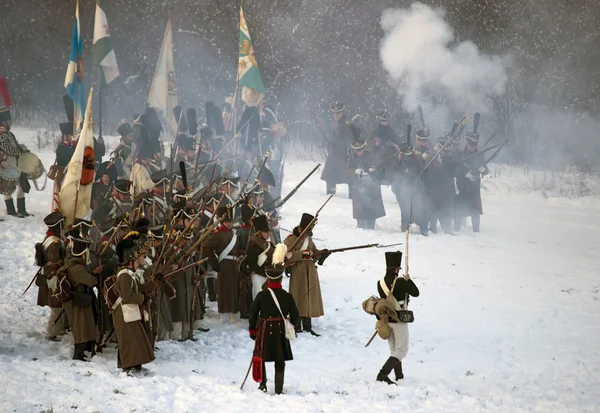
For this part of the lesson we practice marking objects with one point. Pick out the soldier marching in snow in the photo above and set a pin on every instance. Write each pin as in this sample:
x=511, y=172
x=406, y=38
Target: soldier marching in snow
x=398, y=288
x=260, y=253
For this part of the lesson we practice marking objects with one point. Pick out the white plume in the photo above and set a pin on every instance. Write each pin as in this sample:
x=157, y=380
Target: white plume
x=279, y=253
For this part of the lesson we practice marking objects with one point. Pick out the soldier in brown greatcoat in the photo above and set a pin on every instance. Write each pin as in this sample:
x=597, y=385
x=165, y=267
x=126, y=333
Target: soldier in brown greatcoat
x=53, y=255
x=80, y=308
x=222, y=250
x=304, y=279
x=130, y=316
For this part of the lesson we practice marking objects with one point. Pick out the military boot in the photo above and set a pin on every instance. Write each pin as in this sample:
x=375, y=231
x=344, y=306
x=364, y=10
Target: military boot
x=279, y=376
x=211, y=286
x=21, y=207
x=387, y=369
x=307, y=326
x=79, y=352
x=10, y=208
x=398, y=371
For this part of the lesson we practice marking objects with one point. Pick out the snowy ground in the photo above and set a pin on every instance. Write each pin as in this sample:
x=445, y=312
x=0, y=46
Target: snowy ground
x=507, y=321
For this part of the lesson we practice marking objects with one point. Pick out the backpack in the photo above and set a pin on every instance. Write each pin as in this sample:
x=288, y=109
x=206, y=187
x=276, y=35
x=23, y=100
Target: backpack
x=40, y=260
x=110, y=293
x=60, y=287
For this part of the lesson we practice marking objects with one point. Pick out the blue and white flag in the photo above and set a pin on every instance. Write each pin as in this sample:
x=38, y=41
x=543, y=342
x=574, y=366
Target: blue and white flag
x=74, y=79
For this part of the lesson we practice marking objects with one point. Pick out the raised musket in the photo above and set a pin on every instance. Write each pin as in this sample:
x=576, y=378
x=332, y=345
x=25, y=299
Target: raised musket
x=293, y=191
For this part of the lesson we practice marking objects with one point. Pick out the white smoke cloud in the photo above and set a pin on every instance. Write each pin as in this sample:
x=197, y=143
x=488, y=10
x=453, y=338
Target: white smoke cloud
x=420, y=55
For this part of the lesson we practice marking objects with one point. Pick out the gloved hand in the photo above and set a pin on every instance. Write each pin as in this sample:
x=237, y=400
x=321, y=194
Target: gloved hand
x=371, y=170
x=359, y=171
x=470, y=176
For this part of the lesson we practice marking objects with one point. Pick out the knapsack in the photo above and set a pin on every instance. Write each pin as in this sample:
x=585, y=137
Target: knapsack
x=60, y=287
x=40, y=260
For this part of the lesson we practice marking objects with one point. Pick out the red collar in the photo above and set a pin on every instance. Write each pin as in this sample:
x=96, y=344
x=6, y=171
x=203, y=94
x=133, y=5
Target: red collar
x=223, y=228
x=273, y=284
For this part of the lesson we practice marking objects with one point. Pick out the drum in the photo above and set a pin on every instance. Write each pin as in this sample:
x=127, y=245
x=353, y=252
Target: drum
x=9, y=179
x=30, y=165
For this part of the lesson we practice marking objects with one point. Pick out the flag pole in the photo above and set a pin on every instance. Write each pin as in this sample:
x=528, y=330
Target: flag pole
x=99, y=104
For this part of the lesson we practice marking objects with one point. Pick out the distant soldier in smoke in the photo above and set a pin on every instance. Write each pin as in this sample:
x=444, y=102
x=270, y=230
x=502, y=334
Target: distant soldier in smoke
x=367, y=202
x=431, y=176
x=468, y=182
x=344, y=132
x=122, y=156
x=384, y=132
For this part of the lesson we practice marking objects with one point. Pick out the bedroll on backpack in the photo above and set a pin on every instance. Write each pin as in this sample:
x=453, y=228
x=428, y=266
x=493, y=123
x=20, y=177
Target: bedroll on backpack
x=110, y=293
x=60, y=287
x=40, y=260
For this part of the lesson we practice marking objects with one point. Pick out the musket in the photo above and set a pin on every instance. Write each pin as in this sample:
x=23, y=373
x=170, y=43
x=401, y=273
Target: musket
x=450, y=136
x=293, y=191
x=194, y=298
x=496, y=152
x=184, y=268
x=256, y=181
x=483, y=151
x=406, y=241
x=490, y=138
x=358, y=247
x=208, y=231
x=310, y=225
x=238, y=134
x=32, y=280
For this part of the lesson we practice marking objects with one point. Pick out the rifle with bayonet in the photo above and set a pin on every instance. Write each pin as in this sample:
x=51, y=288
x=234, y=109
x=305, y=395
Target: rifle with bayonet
x=323, y=256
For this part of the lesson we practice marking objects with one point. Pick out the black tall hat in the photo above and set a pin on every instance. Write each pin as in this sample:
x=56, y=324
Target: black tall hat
x=225, y=211
x=306, y=220
x=53, y=219
x=159, y=177
x=66, y=128
x=266, y=177
x=80, y=228
x=261, y=223
x=383, y=115
x=141, y=225
x=473, y=137
x=186, y=142
x=393, y=259
x=247, y=213
x=69, y=106
x=123, y=186
x=337, y=107
x=126, y=251
x=109, y=169
x=156, y=231
x=406, y=149
x=423, y=134
x=152, y=123
x=192, y=121
x=124, y=129
x=79, y=246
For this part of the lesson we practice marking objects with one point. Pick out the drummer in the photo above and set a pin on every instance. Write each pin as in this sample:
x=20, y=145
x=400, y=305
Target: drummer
x=10, y=150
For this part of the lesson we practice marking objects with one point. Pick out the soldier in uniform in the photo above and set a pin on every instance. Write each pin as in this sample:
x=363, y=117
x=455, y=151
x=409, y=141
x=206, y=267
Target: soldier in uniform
x=367, y=203
x=260, y=253
x=222, y=251
x=400, y=288
x=10, y=150
x=122, y=156
x=80, y=308
x=53, y=248
x=304, y=278
x=468, y=181
x=130, y=316
x=384, y=132
x=409, y=189
x=268, y=330
x=431, y=178
x=245, y=295
x=106, y=175
x=344, y=132
x=118, y=205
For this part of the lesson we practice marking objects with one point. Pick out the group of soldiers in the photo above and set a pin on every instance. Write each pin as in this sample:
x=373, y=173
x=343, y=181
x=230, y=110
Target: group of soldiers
x=168, y=234
x=433, y=180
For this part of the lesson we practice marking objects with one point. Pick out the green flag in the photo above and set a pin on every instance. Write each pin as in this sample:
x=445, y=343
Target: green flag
x=248, y=73
x=103, y=54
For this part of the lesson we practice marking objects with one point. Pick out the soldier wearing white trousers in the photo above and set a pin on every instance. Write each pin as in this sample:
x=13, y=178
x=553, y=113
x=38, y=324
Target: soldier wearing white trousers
x=260, y=253
x=398, y=289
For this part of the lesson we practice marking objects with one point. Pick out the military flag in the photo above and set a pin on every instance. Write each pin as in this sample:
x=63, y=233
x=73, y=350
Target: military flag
x=249, y=78
x=103, y=55
x=74, y=78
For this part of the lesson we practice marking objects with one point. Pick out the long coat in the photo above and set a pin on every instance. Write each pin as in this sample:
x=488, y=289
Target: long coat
x=181, y=305
x=367, y=202
x=342, y=135
x=227, y=281
x=135, y=346
x=52, y=256
x=81, y=319
x=304, y=279
x=270, y=333
x=468, y=200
